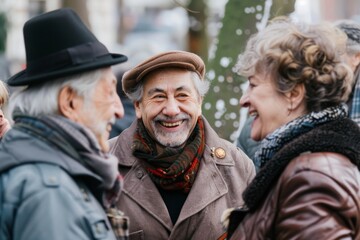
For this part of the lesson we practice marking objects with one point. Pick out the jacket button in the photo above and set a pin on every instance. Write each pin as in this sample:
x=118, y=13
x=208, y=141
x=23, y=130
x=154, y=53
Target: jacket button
x=139, y=174
x=52, y=180
x=220, y=153
x=85, y=194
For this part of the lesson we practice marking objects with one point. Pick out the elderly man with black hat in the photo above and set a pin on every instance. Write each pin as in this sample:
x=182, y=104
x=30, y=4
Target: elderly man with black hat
x=179, y=175
x=56, y=175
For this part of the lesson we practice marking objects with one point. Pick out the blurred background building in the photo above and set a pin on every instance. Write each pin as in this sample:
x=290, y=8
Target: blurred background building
x=215, y=29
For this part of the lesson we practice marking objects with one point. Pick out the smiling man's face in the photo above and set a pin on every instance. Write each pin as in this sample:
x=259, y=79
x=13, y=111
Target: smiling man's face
x=170, y=106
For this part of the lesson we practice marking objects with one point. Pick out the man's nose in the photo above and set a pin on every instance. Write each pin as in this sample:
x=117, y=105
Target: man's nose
x=119, y=109
x=171, y=108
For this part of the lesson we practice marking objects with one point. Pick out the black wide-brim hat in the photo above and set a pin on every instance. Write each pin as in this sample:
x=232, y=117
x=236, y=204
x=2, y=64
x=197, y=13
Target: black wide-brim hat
x=59, y=44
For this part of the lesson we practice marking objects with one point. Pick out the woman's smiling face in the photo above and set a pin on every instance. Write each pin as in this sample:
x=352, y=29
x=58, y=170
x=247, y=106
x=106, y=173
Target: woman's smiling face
x=266, y=104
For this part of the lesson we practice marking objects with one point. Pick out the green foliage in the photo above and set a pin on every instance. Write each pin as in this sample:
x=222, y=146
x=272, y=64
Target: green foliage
x=221, y=106
x=282, y=7
x=3, y=31
x=198, y=41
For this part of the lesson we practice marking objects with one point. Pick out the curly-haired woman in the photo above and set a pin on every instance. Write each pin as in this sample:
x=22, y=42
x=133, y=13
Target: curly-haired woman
x=308, y=186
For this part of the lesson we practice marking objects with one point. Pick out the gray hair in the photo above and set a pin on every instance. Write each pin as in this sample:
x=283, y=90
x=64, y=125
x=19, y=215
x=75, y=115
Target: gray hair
x=292, y=54
x=42, y=99
x=352, y=30
x=202, y=87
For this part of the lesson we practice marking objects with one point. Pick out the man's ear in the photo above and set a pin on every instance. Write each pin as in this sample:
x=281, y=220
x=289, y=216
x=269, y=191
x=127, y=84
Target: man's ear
x=200, y=107
x=68, y=103
x=137, y=109
x=356, y=60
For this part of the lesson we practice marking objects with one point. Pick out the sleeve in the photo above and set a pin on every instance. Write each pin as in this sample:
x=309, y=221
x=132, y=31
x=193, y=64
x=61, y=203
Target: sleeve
x=313, y=205
x=246, y=143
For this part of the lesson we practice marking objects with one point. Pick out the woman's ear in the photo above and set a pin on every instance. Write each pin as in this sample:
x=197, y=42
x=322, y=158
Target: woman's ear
x=296, y=98
x=67, y=103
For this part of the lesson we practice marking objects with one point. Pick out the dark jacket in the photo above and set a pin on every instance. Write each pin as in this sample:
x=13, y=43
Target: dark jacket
x=310, y=189
x=218, y=185
x=44, y=194
x=246, y=143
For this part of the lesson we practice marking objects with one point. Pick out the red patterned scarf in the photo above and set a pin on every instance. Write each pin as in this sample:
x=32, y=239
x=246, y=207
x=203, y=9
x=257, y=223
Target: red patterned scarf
x=172, y=168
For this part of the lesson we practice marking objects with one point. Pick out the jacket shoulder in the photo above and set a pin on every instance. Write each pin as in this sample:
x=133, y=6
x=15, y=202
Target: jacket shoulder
x=324, y=170
x=228, y=156
x=318, y=187
x=41, y=194
x=235, y=153
x=325, y=162
x=27, y=179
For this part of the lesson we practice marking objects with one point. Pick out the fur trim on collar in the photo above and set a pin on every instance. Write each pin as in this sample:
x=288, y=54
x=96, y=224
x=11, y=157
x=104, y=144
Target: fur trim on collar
x=339, y=136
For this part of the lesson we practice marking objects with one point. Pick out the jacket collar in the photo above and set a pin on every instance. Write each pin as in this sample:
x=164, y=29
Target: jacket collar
x=33, y=150
x=140, y=188
x=209, y=176
x=339, y=136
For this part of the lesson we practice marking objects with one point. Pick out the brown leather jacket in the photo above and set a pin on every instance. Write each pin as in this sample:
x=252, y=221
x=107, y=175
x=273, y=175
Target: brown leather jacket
x=310, y=189
x=316, y=197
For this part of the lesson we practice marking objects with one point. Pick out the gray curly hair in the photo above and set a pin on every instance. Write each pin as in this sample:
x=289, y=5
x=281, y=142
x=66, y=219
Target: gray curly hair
x=301, y=54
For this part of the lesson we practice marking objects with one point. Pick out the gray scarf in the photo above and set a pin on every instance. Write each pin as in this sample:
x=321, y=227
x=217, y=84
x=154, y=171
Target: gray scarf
x=80, y=144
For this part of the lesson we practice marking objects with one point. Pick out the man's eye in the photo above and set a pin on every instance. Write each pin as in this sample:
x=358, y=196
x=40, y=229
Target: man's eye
x=182, y=95
x=159, y=96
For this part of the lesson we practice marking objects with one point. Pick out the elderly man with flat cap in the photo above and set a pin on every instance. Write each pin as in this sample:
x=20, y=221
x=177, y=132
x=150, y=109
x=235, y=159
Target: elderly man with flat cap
x=56, y=175
x=179, y=175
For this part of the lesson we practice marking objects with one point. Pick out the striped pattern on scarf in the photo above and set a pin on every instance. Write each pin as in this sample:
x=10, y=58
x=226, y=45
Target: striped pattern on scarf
x=281, y=136
x=173, y=168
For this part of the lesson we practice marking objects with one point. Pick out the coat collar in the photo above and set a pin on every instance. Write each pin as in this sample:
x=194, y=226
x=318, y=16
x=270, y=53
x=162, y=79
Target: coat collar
x=209, y=176
x=140, y=188
x=34, y=150
x=339, y=136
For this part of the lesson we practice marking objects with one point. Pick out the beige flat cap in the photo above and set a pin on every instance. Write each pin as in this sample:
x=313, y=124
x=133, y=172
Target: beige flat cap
x=177, y=59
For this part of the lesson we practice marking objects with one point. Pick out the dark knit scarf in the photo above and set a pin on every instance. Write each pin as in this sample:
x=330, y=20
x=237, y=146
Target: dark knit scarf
x=172, y=168
x=277, y=139
x=337, y=134
x=78, y=143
